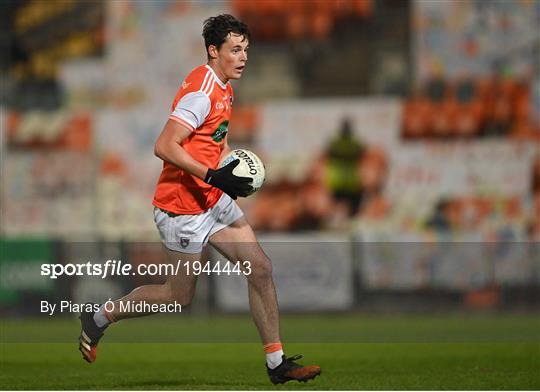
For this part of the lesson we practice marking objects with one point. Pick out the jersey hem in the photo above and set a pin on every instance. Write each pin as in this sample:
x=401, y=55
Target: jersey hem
x=184, y=212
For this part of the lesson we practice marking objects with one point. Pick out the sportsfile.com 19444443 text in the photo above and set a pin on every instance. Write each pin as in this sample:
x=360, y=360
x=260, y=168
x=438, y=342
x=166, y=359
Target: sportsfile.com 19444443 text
x=119, y=268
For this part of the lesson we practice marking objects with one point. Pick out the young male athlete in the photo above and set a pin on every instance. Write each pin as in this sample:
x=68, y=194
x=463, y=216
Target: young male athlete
x=194, y=201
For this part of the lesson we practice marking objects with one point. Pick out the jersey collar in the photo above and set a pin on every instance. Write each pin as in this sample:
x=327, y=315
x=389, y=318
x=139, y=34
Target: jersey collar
x=218, y=80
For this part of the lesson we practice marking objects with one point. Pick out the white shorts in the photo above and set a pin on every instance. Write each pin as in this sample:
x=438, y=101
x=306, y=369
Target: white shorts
x=190, y=233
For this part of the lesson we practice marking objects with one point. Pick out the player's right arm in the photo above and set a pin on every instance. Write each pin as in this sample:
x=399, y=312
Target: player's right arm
x=168, y=147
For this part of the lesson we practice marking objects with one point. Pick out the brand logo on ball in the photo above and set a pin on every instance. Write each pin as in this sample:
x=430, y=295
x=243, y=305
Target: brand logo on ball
x=184, y=242
x=252, y=166
x=221, y=131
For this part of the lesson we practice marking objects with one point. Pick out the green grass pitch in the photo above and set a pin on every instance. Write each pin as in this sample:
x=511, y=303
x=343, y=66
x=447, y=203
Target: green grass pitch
x=355, y=352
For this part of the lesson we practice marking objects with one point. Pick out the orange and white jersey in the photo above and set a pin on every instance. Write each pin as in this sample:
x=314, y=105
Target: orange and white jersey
x=203, y=105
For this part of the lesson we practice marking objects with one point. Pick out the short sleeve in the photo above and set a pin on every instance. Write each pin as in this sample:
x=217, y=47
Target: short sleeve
x=191, y=110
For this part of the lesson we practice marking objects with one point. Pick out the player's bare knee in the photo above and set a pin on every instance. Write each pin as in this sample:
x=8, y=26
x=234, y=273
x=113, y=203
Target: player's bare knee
x=261, y=271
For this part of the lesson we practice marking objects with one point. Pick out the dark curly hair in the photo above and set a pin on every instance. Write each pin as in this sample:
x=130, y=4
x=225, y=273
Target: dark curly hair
x=217, y=28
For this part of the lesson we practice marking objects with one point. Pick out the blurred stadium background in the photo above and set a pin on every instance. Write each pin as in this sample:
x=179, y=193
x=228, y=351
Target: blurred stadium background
x=402, y=203
x=390, y=123
x=401, y=140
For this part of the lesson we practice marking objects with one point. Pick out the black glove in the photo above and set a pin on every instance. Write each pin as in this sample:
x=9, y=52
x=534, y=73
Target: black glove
x=225, y=180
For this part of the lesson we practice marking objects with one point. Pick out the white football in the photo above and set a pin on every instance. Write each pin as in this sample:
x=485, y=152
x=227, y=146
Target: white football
x=250, y=166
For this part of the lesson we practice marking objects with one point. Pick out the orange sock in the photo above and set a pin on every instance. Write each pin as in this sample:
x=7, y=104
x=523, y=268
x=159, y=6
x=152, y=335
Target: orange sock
x=272, y=347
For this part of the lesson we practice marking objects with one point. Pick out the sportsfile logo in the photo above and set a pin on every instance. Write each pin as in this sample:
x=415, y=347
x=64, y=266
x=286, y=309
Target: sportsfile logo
x=109, y=268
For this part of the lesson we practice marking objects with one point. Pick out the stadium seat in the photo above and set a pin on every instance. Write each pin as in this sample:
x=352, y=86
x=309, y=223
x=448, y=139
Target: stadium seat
x=416, y=118
x=362, y=8
x=522, y=102
x=296, y=26
x=320, y=26
x=77, y=133
x=443, y=118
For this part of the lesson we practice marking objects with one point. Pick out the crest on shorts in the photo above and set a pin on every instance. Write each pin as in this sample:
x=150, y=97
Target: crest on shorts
x=184, y=242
